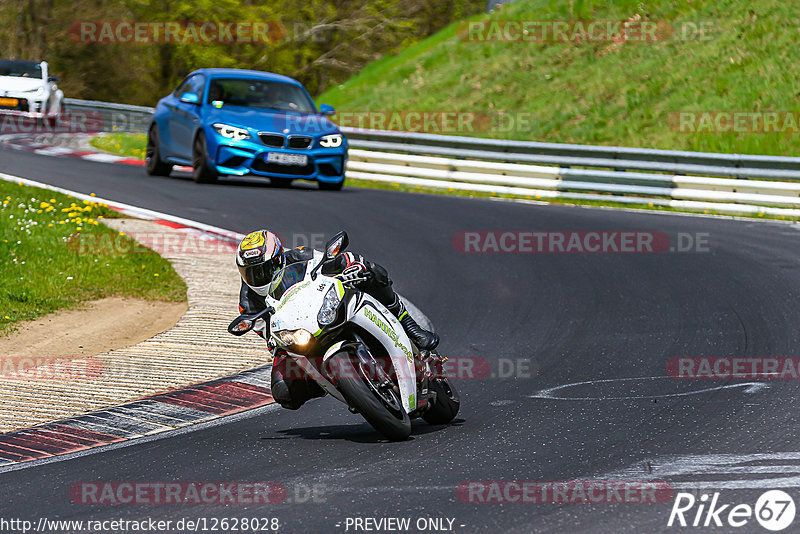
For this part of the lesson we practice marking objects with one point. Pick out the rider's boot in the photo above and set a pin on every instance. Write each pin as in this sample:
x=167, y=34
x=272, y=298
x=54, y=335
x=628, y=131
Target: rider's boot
x=422, y=338
x=380, y=287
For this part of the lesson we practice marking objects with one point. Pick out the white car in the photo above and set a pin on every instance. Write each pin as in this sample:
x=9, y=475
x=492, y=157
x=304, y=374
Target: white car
x=28, y=89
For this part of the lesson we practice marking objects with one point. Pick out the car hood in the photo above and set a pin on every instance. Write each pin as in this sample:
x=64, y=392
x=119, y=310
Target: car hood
x=18, y=84
x=266, y=121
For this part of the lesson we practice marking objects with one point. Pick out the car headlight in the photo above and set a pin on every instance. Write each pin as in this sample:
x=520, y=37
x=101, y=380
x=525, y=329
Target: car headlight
x=299, y=338
x=232, y=132
x=327, y=313
x=331, y=141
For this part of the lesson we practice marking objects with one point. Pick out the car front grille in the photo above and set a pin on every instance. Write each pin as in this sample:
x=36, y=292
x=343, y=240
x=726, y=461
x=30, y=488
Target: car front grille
x=274, y=168
x=299, y=141
x=272, y=140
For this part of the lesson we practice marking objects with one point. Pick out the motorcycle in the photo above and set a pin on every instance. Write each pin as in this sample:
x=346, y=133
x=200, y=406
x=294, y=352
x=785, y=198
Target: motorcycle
x=352, y=346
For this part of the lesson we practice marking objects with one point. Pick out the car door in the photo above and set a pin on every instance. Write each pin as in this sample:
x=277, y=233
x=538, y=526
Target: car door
x=186, y=118
x=165, y=120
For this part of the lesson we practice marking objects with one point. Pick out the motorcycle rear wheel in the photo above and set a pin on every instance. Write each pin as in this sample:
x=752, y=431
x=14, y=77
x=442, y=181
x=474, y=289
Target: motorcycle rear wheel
x=447, y=402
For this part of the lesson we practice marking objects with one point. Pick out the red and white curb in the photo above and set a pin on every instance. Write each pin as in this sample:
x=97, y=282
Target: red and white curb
x=32, y=143
x=145, y=417
x=133, y=211
x=155, y=414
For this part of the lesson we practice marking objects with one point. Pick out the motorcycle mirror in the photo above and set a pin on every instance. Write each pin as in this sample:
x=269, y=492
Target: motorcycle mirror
x=336, y=245
x=241, y=326
x=244, y=323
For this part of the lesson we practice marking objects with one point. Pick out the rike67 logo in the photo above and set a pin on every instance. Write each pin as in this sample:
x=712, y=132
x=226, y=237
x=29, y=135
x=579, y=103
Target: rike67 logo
x=774, y=510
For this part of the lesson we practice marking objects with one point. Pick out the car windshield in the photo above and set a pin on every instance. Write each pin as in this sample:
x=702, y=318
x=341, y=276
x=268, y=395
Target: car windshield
x=286, y=278
x=20, y=69
x=262, y=94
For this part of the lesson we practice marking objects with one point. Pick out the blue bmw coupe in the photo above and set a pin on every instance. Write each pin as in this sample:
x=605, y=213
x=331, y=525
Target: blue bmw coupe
x=244, y=122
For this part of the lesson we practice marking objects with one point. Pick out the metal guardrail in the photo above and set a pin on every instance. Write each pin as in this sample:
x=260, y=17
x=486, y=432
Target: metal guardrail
x=108, y=117
x=569, y=155
x=727, y=183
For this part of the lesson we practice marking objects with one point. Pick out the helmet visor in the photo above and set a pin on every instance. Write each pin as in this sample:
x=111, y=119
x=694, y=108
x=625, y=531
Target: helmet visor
x=260, y=274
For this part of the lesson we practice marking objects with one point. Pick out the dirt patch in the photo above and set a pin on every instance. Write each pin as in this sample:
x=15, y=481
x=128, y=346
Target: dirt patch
x=104, y=325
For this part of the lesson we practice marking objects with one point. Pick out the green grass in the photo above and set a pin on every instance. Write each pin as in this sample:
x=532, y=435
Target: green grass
x=131, y=145
x=602, y=93
x=45, y=269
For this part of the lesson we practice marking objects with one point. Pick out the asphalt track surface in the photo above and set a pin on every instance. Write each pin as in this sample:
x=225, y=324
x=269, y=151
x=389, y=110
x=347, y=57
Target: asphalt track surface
x=573, y=317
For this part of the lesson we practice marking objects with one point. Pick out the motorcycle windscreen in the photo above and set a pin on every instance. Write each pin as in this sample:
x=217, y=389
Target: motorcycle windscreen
x=286, y=278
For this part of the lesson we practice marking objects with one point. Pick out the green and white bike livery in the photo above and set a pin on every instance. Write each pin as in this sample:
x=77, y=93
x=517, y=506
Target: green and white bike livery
x=352, y=346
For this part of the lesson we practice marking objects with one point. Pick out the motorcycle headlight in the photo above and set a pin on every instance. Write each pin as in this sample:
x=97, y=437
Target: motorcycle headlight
x=327, y=313
x=232, y=132
x=299, y=338
x=331, y=141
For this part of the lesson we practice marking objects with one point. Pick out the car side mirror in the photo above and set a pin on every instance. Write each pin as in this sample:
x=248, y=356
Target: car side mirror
x=190, y=98
x=327, y=109
x=52, y=78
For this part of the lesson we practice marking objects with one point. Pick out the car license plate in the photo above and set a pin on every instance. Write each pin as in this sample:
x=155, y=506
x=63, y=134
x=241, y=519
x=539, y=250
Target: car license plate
x=9, y=102
x=287, y=159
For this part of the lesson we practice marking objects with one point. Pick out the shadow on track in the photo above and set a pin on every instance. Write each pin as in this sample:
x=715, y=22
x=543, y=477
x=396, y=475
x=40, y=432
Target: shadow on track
x=356, y=433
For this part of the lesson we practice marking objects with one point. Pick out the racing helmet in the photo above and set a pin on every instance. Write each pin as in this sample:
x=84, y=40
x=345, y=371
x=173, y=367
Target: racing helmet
x=258, y=257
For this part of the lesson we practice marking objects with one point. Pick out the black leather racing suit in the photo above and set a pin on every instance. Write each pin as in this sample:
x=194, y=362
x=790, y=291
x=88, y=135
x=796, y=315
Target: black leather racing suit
x=379, y=286
x=290, y=389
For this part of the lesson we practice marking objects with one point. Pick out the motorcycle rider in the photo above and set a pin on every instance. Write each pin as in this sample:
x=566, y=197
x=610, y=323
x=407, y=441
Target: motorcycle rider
x=260, y=255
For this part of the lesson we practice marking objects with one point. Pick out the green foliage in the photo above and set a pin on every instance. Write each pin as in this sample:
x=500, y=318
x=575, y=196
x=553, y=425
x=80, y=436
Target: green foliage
x=603, y=92
x=318, y=42
x=124, y=144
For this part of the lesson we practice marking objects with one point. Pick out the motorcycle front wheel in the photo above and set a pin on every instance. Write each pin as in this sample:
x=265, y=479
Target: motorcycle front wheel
x=378, y=404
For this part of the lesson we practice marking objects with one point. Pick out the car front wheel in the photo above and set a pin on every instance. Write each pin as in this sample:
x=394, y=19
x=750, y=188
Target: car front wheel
x=202, y=172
